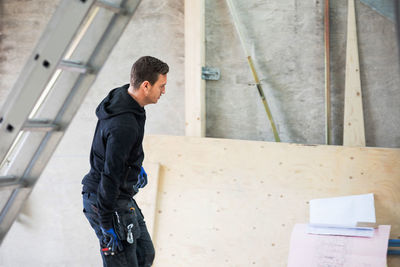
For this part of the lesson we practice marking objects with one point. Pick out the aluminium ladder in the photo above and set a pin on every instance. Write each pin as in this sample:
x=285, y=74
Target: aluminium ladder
x=49, y=91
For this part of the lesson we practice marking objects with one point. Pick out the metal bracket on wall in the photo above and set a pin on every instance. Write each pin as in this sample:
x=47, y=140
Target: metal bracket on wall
x=212, y=74
x=49, y=91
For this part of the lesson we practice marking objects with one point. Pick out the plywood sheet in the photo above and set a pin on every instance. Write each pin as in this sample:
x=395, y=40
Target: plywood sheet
x=147, y=196
x=234, y=203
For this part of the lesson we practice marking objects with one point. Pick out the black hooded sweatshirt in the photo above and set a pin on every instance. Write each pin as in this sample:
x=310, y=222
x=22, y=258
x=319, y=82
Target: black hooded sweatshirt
x=117, y=154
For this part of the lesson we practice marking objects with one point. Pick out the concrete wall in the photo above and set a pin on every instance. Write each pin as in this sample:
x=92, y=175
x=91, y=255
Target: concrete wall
x=286, y=41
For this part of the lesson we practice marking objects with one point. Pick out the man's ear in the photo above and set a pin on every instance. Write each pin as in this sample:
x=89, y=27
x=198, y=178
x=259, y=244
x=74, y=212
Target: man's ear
x=146, y=87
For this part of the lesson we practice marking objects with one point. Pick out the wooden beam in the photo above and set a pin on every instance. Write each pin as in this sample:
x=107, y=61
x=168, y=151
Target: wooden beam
x=194, y=61
x=353, y=128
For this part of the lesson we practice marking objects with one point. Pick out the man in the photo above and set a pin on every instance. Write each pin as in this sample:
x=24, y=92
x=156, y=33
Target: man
x=116, y=172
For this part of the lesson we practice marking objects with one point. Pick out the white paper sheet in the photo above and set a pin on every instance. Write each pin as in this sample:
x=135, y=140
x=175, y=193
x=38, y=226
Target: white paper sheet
x=340, y=215
x=345, y=211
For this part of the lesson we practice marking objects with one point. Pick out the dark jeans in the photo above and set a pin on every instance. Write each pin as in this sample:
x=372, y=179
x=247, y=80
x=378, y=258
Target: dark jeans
x=139, y=254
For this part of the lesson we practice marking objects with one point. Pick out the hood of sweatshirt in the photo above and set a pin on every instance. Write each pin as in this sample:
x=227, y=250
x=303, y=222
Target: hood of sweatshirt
x=117, y=102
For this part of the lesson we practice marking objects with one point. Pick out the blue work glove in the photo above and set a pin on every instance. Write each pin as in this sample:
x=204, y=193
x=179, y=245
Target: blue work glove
x=142, y=179
x=111, y=240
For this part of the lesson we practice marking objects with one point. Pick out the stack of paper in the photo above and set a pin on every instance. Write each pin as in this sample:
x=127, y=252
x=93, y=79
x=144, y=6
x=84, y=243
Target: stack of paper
x=333, y=237
x=341, y=215
x=328, y=250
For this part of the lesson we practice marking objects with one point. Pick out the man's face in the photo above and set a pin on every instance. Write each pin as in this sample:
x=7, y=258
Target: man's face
x=157, y=89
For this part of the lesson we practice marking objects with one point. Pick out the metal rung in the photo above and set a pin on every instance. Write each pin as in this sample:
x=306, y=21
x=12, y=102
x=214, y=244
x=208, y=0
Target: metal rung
x=394, y=242
x=6, y=181
x=74, y=66
x=393, y=252
x=40, y=126
x=110, y=6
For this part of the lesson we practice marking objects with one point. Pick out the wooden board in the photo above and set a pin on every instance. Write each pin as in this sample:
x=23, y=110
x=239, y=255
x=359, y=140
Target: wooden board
x=195, y=103
x=234, y=203
x=353, y=128
x=148, y=196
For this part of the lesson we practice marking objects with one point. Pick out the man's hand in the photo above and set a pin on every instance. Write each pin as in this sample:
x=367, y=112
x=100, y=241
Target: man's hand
x=111, y=240
x=142, y=179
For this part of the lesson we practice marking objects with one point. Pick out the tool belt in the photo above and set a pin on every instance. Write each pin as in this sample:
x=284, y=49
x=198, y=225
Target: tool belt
x=125, y=222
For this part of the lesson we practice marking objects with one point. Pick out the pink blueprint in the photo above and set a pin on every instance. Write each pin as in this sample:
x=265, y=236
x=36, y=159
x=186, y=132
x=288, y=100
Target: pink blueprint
x=308, y=250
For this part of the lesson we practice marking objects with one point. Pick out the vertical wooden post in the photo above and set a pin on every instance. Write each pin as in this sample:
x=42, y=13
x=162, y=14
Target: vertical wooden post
x=194, y=61
x=353, y=128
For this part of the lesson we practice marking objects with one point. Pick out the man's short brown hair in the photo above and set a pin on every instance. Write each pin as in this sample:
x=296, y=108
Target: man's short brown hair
x=147, y=68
